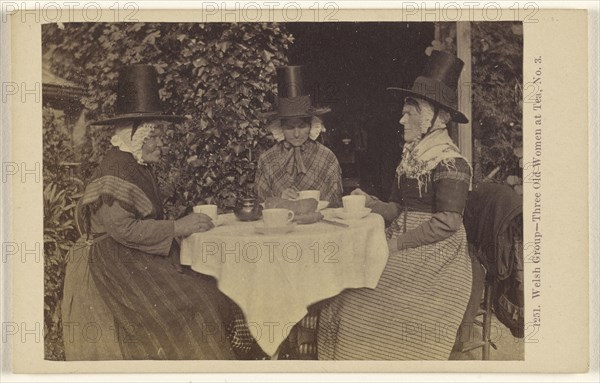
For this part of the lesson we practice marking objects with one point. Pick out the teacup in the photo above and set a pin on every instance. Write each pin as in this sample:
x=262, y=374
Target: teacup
x=316, y=194
x=353, y=203
x=209, y=210
x=277, y=217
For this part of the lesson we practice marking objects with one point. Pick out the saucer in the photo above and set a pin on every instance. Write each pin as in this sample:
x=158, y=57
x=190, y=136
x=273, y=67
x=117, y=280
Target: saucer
x=320, y=206
x=262, y=229
x=340, y=213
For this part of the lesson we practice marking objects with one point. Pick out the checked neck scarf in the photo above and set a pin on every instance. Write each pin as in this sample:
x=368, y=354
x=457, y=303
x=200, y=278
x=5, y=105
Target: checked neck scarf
x=294, y=163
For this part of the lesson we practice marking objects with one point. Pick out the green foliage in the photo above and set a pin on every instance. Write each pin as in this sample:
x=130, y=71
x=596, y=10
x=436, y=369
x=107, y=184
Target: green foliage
x=220, y=75
x=497, y=94
x=61, y=191
x=497, y=99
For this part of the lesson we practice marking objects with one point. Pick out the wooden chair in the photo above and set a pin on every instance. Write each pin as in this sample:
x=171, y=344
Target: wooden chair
x=480, y=305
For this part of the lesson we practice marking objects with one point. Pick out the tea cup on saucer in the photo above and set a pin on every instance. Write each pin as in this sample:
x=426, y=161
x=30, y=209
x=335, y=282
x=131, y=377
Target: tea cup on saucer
x=277, y=217
x=353, y=203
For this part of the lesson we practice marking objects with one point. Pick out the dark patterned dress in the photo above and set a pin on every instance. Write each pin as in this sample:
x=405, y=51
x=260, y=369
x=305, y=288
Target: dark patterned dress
x=128, y=271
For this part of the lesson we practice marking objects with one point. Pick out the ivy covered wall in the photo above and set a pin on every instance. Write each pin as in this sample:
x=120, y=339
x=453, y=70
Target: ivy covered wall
x=498, y=101
x=220, y=75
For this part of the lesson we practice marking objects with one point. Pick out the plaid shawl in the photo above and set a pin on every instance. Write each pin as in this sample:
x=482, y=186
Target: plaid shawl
x=119, y=177
x=277, y=172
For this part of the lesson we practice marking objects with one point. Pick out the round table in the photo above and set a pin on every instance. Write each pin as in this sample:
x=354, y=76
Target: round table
x=275, y=277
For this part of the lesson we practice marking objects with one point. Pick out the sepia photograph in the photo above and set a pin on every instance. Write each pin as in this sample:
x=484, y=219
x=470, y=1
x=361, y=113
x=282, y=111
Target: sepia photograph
x=283, y=191
x=243, y=191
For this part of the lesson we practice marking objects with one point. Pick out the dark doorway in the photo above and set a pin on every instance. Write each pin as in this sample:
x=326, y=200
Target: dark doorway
x=350, y=66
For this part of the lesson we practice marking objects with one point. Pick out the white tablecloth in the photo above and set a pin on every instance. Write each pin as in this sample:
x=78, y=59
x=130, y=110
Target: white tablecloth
x=274, y=278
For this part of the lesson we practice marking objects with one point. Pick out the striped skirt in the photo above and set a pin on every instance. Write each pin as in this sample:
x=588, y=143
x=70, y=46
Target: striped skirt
x=414, y=312
x=160, y=313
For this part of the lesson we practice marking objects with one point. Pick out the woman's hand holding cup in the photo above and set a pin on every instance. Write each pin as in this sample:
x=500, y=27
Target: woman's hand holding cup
x=290, y=193
x=370, y=201
x=192, y=223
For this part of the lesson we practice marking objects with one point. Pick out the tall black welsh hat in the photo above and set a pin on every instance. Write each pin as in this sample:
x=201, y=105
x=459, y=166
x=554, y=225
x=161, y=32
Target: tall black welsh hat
x=438, y=84
x=137, y=97
x=293, y=98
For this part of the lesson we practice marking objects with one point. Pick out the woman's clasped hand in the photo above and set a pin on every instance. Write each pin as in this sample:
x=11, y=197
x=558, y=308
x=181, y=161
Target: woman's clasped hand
x=370, y=200
x=192, y=223
x=290, y=193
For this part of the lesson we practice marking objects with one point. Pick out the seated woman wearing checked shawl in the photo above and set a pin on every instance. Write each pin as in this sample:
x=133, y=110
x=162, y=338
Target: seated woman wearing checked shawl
x=298, y=162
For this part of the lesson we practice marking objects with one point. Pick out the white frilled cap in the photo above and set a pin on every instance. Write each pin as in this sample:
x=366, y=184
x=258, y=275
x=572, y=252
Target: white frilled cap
x=123, y=140
x=316, y=128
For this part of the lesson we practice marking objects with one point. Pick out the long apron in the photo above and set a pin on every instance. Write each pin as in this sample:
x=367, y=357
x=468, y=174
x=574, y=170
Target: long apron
x=89, y=331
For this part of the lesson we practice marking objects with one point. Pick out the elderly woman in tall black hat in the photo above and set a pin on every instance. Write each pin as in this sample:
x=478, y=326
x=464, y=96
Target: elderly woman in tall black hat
x=124, y=297
x=419, y=302
x=297, y=161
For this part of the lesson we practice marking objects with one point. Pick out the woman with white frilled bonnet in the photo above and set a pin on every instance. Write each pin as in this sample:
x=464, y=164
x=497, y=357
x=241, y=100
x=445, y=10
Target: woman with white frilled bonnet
x=121, y=276
x=297, y=161
x=419, y=302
